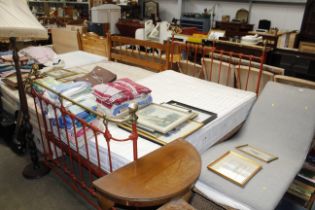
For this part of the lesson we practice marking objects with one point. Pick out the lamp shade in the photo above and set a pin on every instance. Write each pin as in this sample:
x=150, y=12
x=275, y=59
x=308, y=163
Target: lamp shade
x=16, y=20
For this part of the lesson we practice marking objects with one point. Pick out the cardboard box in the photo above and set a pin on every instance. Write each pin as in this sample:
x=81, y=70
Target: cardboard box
x=80, y=28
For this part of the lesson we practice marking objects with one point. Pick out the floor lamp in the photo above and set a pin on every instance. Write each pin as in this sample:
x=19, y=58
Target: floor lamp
x=17, y=23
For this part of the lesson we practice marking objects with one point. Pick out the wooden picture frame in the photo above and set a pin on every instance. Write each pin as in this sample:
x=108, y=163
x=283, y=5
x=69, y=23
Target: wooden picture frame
x=162, y=119
x=182, y=131
x=11, y=80
x=257, y=153
x=235, y=167
x=150, y=7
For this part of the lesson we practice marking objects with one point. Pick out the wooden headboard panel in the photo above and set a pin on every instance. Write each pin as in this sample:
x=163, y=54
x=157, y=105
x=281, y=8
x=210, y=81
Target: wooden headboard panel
x=91, y=42
x=146, y=54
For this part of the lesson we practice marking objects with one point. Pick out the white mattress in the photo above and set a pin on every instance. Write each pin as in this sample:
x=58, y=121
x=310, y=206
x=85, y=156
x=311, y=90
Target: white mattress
x=79, y=58
x=231, y=105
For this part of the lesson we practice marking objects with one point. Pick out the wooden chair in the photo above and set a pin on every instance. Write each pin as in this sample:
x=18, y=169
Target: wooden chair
x=95, y=44
x=294, y=81
x=247, y=78
x=218, y=71
x=64, y=40
x=190, y=68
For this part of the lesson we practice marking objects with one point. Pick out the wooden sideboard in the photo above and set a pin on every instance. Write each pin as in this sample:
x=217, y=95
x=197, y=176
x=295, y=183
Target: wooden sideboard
x=233, y=29
x=128, y=27
x=296, y=63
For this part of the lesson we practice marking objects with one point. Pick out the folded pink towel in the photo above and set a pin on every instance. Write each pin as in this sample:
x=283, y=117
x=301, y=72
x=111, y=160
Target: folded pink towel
x=118, y=92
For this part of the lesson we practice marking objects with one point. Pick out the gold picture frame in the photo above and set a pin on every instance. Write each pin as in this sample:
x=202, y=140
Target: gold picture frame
x=257, y=153
x=182, y=131
x=235, y=168
x=162, y=119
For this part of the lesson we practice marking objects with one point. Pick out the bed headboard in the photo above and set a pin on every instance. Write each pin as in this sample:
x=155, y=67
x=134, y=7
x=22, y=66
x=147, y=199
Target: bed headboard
x=93, y=43
x=143, y=53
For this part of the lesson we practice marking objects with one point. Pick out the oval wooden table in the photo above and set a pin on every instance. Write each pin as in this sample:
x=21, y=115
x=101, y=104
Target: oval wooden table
x=166, y=173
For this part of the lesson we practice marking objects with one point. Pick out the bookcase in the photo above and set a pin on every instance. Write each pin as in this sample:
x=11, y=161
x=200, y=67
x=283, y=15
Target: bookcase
x=302, y=189
x=66, y=8
x=202, y=24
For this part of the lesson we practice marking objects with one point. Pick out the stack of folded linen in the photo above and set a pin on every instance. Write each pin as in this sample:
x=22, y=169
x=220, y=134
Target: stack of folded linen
x=121, y=152
x=77, y=91
x=71, y=131
x=113, y=98
x=80, y=92
x=75, y=134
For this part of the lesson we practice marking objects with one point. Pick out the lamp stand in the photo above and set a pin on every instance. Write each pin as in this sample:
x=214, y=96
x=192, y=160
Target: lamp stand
x=36, y=169
x=7, y=124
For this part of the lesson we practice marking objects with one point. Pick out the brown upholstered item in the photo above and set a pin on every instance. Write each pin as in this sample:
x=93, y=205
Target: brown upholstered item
x=97, y=76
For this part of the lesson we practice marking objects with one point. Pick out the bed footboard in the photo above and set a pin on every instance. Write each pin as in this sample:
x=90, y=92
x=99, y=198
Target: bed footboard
x=78, y=148
x=234, y=69
x=146, y=54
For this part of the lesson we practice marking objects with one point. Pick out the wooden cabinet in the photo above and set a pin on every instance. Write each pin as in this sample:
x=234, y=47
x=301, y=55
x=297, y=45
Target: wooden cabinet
x=295, y=63
x=202, y=24
x=128, y=27
x=234, y=28
x=308, y=25
x=308, y=47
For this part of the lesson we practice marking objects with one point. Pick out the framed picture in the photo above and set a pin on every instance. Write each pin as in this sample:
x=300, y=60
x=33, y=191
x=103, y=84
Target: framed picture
x=181, y=131
x=11, y=80
x=162, y=119
x=202, y=116
x=235, y=167
x=60, y=73
x=151, y=8
x=257, y=153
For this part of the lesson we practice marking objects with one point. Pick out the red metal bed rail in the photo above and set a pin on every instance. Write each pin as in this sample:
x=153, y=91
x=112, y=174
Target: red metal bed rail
x=220, y=65
x=70, y=154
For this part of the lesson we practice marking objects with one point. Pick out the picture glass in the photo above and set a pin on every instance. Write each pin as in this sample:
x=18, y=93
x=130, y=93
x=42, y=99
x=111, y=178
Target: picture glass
x=161, y=118
x=235, y=167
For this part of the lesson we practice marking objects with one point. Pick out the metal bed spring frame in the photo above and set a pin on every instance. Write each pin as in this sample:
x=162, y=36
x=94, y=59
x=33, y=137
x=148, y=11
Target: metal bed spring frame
x=65, y=154
x=192, y=53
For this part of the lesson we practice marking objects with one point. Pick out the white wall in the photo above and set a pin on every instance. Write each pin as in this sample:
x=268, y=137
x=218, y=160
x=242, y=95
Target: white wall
x=284, y=17
x=168, y=9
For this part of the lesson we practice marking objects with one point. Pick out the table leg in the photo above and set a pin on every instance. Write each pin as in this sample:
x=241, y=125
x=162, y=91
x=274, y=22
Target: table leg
x=104, y=203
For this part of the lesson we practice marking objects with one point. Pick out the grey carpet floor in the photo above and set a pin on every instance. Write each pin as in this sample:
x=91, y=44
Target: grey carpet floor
x=47, y=193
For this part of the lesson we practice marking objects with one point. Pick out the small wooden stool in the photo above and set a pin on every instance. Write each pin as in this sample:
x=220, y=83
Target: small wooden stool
x=152, y=180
